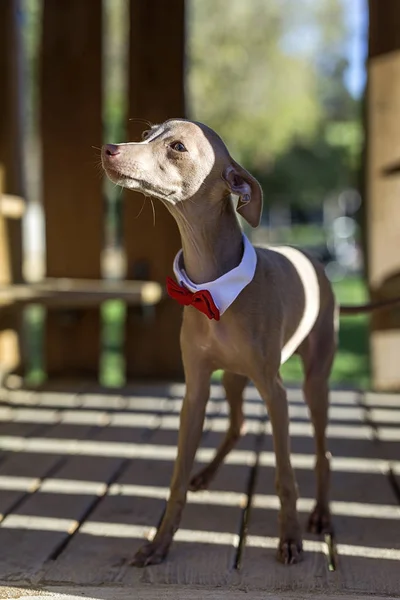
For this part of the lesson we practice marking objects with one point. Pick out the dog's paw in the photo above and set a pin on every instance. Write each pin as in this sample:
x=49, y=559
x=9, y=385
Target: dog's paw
x=320, y=521
x=149, y=554
x=290, y=551
x=200, y=481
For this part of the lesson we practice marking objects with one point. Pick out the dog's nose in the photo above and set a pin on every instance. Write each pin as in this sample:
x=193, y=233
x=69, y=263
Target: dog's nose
x=111, y=150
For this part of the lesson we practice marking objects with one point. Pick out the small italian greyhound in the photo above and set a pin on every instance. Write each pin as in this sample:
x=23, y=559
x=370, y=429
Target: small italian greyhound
x=247, y=310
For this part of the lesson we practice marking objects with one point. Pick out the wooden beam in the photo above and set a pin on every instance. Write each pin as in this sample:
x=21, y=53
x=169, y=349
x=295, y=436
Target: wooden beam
x=383, y=186
x=10, y=127
x=156, y=91
x=71, y=119
x=11, y=179
x=79, y=293
x=10, y=322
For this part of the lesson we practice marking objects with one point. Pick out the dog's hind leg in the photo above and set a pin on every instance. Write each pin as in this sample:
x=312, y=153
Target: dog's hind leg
x=274, y=395
x=234, y=386
x=317, y=354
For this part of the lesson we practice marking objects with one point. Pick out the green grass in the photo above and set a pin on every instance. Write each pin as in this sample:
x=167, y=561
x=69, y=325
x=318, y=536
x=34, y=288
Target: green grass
x=112, y=360
x=351, y=367
x=33, y=328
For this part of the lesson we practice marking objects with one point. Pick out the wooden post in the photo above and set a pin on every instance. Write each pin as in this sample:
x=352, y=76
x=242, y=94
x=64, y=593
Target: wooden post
x=10, y=320
x=11, y=181
x=156, y=93
x=383, y=186
x=71, y=122
x=10, y=126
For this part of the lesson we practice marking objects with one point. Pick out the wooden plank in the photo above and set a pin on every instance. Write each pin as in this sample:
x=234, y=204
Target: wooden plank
x=383, y=187
x=383, y=36
x=372, y=523
x=10, y=132
x=72, y=191
x=20, y=476
x=375, y=523
x=135, y=504
x=11, y=179
x=152, y=347
x=95, y=555
x=75, y=293
x=16, y=430
x=146, y=592
x=45, y=519
x=365, y=512
x=197, y=555
x=260, y=567
x=99, y=552
x=10, y=355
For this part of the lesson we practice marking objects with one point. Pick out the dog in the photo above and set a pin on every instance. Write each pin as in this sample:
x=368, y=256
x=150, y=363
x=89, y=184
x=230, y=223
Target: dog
x=246, y=311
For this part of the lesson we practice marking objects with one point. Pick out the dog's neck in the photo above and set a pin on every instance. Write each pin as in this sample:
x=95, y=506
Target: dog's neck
x=212, y=240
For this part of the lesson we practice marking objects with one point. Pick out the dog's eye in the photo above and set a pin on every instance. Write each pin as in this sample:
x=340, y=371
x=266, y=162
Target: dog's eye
x=178, y=146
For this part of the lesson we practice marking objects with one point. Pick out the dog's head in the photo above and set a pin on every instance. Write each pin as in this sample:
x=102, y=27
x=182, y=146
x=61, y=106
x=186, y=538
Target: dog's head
x=179, y=161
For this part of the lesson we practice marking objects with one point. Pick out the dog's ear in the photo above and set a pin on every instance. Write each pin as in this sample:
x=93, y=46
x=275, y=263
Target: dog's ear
x=244, y=185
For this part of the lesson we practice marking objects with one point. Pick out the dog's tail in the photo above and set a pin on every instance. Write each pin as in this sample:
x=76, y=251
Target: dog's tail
x=368, y=308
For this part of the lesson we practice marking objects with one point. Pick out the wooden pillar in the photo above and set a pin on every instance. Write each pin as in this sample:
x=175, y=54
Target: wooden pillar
x=71, y=123
x=156, y=88
x=383, y=186
x=10, y=126
x=11, y=181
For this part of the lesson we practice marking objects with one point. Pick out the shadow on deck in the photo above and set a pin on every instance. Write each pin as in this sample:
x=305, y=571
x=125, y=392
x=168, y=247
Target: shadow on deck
x=84, y=476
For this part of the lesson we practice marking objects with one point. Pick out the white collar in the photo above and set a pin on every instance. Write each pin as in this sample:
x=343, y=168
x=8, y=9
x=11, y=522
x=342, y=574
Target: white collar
x=226, y=288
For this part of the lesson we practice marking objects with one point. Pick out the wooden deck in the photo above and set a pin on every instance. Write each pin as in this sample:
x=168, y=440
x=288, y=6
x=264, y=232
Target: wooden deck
x=84, y=476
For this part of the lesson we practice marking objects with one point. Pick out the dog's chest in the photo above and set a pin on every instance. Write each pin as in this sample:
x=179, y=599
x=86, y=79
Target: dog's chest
x=225, y=345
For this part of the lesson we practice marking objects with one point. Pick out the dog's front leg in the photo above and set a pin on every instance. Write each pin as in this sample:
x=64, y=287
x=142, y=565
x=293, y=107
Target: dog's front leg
x=290, y=544
x=197, y=376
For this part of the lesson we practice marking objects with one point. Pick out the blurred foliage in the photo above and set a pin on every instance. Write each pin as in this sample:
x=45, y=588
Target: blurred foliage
x=269, y=77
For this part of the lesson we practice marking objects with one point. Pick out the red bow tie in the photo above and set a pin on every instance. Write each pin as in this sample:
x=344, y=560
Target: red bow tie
x=202, y=300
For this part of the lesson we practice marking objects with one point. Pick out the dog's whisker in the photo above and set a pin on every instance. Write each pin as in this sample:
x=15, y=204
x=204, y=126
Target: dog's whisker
x=154, y=211
x=142, y=207
x=140, y=120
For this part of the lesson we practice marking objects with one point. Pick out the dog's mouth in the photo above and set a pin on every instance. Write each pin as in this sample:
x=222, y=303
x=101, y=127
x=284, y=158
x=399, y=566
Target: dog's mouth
x=115, y=173
x=119, y=177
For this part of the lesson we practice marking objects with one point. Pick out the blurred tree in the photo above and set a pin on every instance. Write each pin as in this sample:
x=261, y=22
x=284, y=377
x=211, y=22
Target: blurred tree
x=269, y=77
